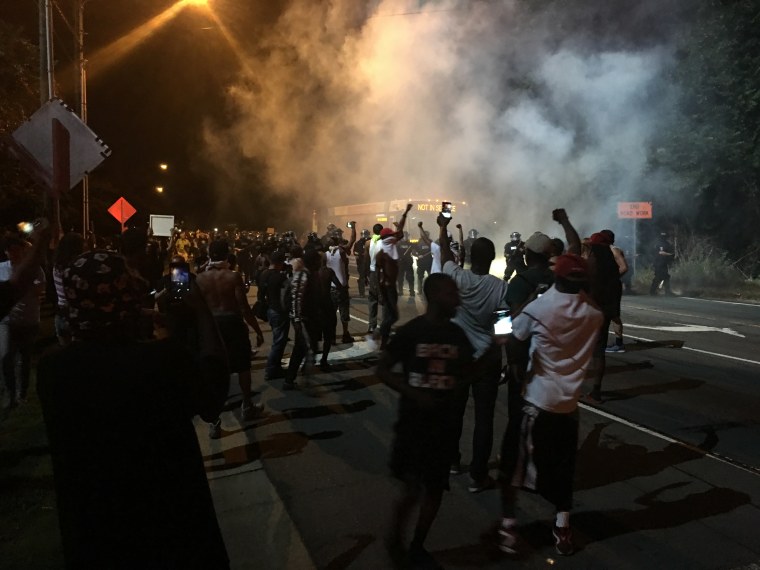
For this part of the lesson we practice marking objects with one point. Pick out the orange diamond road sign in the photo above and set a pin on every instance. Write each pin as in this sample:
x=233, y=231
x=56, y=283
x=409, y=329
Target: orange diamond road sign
x=122, y=210
x=635, y=210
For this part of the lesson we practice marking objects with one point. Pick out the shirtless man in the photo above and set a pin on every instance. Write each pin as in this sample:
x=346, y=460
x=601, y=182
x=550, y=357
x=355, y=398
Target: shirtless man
x=225, y=295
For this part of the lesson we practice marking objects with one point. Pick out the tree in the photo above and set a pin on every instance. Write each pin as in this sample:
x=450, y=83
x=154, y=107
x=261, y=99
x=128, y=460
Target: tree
x=19, y=97
x=712, y=144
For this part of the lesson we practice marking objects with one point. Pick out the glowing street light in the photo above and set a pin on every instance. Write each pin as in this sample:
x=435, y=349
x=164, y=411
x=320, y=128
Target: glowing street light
x=163, y=166
x=160, y=189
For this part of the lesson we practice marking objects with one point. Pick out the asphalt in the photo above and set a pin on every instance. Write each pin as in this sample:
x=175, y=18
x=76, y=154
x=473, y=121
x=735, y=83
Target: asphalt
x=668, y=467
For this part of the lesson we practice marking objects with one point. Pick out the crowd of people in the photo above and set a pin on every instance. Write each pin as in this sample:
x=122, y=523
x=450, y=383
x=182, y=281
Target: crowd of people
x=161, y=324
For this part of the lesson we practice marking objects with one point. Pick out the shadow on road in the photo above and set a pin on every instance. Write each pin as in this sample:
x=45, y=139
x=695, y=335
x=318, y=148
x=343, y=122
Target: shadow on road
x=650, y=389
x=600, y=463
x=276, y=445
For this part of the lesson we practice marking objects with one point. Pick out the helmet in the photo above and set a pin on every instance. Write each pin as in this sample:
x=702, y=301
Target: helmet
x=331, y=227
x=365, y=234
x=312, y=236
x=514, y=236
x=473, y=234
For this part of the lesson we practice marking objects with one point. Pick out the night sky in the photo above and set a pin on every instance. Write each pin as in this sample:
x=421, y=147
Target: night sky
x=150, y=105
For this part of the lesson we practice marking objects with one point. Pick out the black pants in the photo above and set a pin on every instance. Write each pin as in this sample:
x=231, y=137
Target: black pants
x=485, y=388
x=374, y=297
x=363, y=270
x=390, y=310
x=406, y=271
x=422, y=270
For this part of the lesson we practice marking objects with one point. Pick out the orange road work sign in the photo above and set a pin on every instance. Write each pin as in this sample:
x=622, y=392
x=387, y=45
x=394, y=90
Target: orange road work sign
x=122, y=210
x=635, y=210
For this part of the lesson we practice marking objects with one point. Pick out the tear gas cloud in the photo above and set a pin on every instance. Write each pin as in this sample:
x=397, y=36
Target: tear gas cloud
x=510, y=108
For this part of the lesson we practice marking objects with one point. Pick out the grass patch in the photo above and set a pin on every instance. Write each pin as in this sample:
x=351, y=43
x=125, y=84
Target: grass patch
x=703, y=270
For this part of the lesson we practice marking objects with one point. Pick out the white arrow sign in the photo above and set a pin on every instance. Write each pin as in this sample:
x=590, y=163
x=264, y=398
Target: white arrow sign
x=689, y=328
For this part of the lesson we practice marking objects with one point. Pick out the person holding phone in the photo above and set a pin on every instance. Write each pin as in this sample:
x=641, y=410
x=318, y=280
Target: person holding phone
x=481, y=294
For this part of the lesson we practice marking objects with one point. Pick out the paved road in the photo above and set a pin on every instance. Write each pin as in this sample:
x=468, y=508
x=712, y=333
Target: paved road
x=306, y=486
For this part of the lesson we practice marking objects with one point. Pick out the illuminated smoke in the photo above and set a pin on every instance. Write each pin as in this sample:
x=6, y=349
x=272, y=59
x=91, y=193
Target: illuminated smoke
x=516, y=112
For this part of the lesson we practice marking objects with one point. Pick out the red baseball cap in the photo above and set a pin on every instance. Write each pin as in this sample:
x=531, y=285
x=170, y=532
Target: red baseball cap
x=571, y=267
x=385, y=232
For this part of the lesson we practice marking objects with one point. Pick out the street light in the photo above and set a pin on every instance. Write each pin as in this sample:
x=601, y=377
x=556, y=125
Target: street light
x=163, y=166
x=160, y=189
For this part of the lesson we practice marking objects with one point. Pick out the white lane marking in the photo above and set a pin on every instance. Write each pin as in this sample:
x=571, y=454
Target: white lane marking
x=634, y=308
x=646, y=430
x=688, y=328
x=698, y=350
x=724, y=302
x=354, y=317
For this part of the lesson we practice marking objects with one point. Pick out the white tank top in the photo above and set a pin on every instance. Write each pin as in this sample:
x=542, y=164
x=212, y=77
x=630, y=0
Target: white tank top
x=335, y=262
x=374, y=247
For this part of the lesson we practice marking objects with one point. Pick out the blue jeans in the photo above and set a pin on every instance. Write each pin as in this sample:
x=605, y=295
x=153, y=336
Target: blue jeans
x=280, y=324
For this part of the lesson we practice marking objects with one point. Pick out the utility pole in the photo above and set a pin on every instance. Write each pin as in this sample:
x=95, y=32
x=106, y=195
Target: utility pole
x=81, y=92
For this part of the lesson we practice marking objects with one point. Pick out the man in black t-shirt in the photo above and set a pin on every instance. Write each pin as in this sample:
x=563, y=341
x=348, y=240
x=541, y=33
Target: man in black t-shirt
x=274, y=290
x=434, y=353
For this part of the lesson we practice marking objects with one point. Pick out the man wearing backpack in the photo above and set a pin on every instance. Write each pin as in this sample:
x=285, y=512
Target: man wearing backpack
x=274, y=294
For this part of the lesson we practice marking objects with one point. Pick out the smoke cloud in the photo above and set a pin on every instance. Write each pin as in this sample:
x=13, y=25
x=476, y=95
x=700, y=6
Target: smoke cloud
x=515, y=107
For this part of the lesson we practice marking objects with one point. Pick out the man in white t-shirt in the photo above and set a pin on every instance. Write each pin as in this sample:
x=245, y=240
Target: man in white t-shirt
x=540, y=444
x=481, y=294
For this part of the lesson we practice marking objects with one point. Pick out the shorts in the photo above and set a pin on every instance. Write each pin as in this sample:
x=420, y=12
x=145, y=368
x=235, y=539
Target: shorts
x=340, y=302
x=422, y=450
x=234, y=333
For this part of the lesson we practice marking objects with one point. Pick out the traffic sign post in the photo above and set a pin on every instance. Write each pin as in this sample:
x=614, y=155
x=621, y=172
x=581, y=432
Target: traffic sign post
x=634, y=211
x=122, y=211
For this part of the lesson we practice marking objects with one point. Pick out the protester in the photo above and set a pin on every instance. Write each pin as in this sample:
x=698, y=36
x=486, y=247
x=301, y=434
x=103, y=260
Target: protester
x=539, y=447
x=481, y=294
x=435, y=354
x=373, y=246
x=616, y=319
x=129, y=477
x=274, y=292
x=20, y=327
x=70, y=246
x=387, y=277
x=405, y=266
x=336, y=258
x=663, y=258
x=224, y=293
x=362, y=268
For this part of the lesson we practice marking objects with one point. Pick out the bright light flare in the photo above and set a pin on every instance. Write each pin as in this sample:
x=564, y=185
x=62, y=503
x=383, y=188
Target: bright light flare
x=163, y=166
x=160, y=189
x=118, y=49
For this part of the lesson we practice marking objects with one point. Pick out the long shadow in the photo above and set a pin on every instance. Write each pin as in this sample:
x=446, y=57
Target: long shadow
x=305, y=413
x=649, y=344
x=650, y=389
x=274, y=446
x=599, y=464
x=344, y=559
x=353, y=384
x=596, y=526
x=629, y=367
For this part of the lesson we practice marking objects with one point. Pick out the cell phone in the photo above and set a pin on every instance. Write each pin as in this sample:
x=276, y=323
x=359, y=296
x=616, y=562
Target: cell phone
x=180, y=281
x=446, y=209
x=28, y=227
x=349, y=224
x=502, y=323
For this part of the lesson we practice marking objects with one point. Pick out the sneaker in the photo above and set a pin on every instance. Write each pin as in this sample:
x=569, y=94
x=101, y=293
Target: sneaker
x=347, y=339
x=483, y=485
x=215, y=429
x=508, y=539
x=619, y=348
x=456, y=469
x=325, y=366
x=250, y=412
x=563, y=540
x=421, y=558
